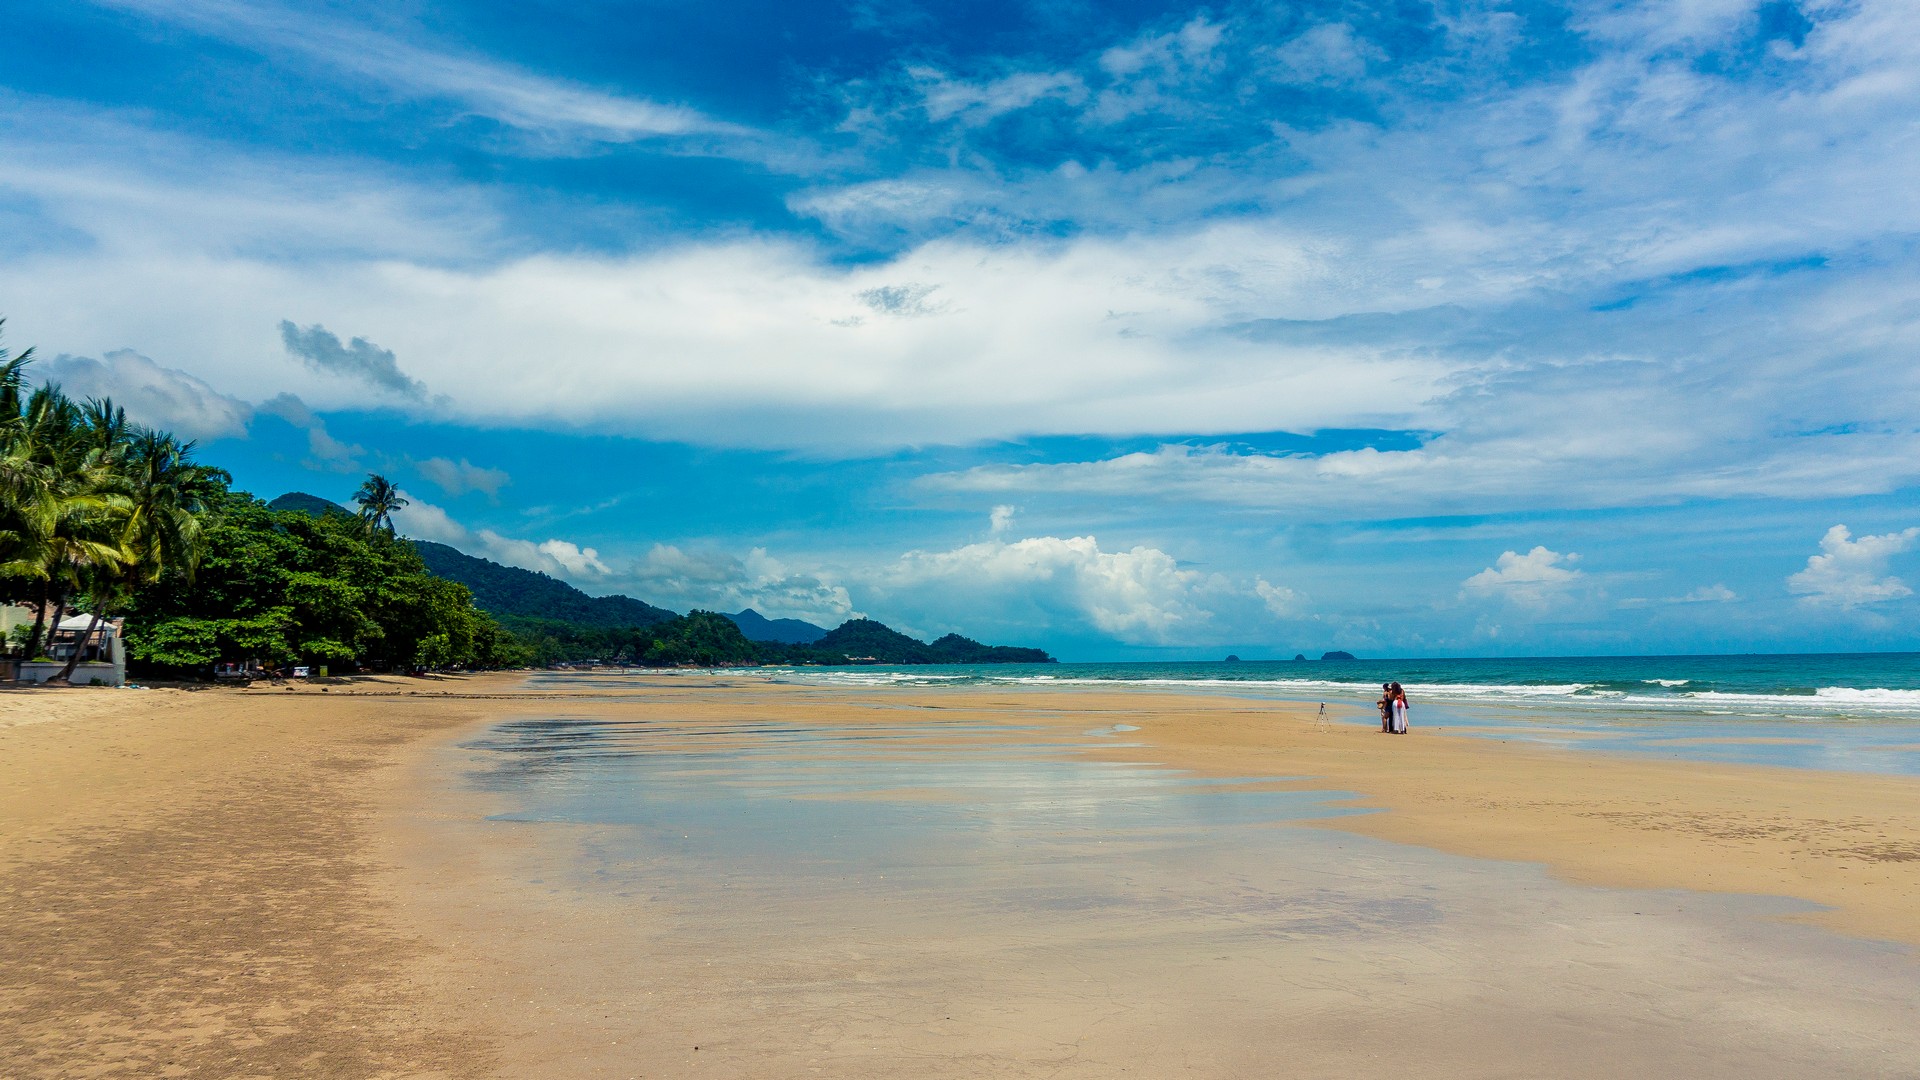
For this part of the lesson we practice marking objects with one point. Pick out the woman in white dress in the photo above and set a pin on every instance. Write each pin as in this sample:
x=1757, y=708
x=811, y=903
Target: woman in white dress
x=1399, y=710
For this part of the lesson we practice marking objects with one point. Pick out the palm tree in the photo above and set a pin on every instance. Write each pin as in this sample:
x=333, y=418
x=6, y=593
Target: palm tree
x=378, y=499
x=64, y=530
x=162, y=503
x=23, y=481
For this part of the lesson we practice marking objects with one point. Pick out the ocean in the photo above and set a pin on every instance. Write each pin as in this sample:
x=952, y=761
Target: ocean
x=1849, y=711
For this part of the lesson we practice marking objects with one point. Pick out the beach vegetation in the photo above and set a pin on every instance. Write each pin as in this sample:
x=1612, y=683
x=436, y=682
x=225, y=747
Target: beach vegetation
x=285, y=588
x=118, y=520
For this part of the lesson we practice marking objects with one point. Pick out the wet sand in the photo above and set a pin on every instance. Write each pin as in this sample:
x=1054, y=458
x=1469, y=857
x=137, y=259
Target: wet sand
x=276, y=883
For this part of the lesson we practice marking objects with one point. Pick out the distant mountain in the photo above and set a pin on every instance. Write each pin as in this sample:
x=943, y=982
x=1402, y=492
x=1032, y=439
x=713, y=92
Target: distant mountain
x=866, y=640
x=542, y=606
x=510, y=592
x=758, y=627
x=1338, y=654
x=307, y=504
x=954, y=649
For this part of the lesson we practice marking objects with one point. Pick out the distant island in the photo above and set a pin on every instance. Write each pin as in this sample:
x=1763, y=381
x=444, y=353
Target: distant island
x=559, y=623
x=1336, y=655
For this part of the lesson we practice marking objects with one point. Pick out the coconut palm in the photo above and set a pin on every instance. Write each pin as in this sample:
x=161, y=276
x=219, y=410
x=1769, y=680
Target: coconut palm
x=160, y=504
x=378, y=499
x=63, y=522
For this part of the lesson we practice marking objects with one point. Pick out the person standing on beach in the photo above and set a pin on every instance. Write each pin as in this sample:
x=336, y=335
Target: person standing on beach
x=1386, y=708
x=1398, y=696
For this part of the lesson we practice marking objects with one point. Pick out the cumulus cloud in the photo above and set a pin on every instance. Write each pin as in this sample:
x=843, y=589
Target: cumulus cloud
x=1001, y=519
x=155, y=396
x=456, y=478
x=1849, y=573
x=1138, y=595
x=359, y=359
x=1533, y=578
x=720, y=582
x=1280, y=601
x=1707, y=594
x=559, y=558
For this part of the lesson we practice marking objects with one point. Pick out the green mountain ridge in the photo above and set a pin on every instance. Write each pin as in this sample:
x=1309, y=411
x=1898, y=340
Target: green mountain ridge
x=509, y=592
x=560, y=622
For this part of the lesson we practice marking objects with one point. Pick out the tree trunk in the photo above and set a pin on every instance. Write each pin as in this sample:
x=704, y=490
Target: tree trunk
x=39, y=622
x=52, y=613
x=65, y=678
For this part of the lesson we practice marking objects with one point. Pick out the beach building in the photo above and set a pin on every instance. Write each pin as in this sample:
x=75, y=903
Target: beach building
x=103, y=655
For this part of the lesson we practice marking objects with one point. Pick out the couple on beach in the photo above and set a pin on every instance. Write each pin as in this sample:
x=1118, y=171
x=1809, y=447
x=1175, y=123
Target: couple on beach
x=1393, y=709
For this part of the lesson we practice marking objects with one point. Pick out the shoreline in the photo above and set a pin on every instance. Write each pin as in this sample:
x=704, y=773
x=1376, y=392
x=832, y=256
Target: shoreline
x=230, y=881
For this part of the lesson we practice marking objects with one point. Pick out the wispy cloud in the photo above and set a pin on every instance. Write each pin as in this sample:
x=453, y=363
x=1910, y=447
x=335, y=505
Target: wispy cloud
x=456, y=478
x=326, y=452
x=485, y=86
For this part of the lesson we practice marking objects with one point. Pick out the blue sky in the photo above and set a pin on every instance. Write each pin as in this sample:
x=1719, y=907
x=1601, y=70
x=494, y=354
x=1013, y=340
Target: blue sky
x=1126, y=330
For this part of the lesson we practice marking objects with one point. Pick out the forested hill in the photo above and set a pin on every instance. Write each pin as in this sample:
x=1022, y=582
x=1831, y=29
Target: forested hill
x=510, y=592
x=865, y=639
x=307, y=504
x=507, y=592
x=559, y=622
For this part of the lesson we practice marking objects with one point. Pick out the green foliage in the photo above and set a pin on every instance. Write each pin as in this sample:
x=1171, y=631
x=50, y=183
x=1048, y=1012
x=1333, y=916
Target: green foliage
x=704, y=638
x=865, y=639
x=308, y=504
x=954, y=649
x=290, y=588
x=510, y=592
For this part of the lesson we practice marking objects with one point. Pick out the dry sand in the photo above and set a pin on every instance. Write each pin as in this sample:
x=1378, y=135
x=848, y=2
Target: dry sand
x=260, y=882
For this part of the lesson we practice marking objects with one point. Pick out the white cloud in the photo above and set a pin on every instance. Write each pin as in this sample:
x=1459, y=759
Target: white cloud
x=946, y=98
x=1849, y=573
x=501, y=92
x=425, y=521
x=716, y=581
x=1612, y=238
x=1533, y=578
x=1138, y=595
x=560, y=558
x=1707, y=594
x=155, y=396
x=456, y=478
x=1329, y=53
x=1001, y=519
x=1281, y=601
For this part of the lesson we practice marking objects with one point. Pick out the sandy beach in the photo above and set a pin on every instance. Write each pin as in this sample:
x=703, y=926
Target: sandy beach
x=296, y=883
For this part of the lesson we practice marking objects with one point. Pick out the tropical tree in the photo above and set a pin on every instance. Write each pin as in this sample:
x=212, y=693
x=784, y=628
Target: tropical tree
x=163, y=500
x=378, y=499
x=62, y=530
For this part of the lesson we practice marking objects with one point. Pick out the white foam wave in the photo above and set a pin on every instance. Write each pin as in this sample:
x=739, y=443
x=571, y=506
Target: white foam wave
x=1825, y=701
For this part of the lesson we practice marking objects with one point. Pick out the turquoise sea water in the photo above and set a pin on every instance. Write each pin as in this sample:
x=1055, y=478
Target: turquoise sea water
x=1856, y=712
